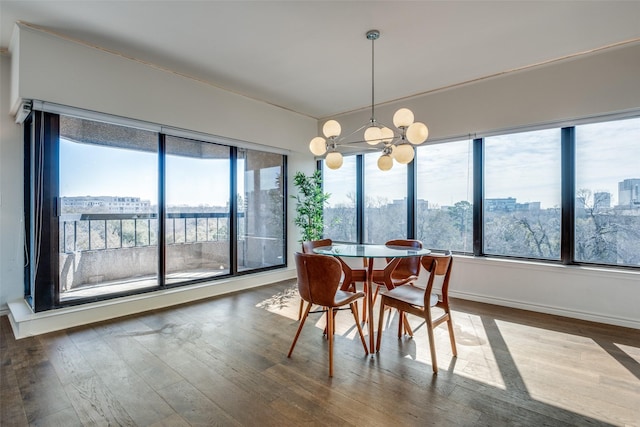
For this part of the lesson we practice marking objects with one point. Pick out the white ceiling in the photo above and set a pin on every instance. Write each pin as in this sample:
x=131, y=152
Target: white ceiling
x=312, y=57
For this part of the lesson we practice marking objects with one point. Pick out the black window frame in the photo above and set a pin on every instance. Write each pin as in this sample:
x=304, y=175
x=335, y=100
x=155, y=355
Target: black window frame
x=41, y=130
x=568, y=195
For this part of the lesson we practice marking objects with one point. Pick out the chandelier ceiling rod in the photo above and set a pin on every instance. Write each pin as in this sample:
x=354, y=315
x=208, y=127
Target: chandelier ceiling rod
x=373, y=35
x=396, y=144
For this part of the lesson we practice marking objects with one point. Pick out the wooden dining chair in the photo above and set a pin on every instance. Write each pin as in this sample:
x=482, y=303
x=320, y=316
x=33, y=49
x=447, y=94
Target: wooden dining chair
x=318, y=284
x=419, y=302
x=350, y=275
x=406, y=271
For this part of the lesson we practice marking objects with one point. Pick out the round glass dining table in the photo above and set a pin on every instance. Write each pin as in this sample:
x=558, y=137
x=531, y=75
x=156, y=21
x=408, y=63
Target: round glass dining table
x=368, y=252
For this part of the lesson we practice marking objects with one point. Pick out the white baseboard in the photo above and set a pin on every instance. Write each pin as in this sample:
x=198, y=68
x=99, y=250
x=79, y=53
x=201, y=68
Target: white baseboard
x=25, y=322
x=609, y=320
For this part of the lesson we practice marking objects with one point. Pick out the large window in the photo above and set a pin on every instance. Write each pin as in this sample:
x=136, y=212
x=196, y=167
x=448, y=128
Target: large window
x=340, y=213
x=522, y=194
x=385, y=212
x=569, y=195
x=116, y=209
x=607, y=212
x=261, y=225
x=197, y=183
x=444, y=208
x=108, y=201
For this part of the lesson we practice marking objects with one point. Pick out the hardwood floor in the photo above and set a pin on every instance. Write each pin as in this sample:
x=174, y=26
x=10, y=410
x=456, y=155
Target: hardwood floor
x=223, y=362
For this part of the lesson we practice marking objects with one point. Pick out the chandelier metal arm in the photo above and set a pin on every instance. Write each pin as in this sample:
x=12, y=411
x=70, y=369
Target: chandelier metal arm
x=397, y=143
x=398, y=134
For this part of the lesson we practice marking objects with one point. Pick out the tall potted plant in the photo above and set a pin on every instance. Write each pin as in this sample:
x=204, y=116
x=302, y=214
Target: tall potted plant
x=310, y=202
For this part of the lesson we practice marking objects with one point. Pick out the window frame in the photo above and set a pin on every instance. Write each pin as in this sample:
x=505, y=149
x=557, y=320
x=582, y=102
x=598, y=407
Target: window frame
x=41, y=288
x=567, y=190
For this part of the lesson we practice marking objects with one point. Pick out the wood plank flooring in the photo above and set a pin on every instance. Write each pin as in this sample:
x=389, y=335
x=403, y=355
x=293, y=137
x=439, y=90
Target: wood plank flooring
x=223, y=362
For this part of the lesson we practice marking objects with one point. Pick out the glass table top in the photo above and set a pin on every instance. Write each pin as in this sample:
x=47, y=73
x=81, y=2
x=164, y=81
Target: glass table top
x=370, y=251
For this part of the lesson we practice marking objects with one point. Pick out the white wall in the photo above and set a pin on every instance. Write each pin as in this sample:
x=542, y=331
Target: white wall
x=61, y=71
x=11, y=225
x=590, y=85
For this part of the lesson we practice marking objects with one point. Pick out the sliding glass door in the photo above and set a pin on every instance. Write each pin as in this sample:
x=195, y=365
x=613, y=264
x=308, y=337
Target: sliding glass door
x=108, y=209
x=114, y=208
x=261, y=206
x=197, y=188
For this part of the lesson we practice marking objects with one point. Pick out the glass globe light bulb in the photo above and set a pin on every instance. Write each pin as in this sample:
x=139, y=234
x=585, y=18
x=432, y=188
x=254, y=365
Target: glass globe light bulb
x=385, y=162
x=403, y=118
x=331, y=128
x=387, y=135
x=373, y=135
x=403, y=153
x=318, y=146
x=417, y=133
x=333, y=160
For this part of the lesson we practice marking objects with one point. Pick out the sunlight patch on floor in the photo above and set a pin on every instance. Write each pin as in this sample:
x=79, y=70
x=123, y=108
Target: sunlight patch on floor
x=550, y=375
x=287, y=303
x=284, y=303
x=632, y=352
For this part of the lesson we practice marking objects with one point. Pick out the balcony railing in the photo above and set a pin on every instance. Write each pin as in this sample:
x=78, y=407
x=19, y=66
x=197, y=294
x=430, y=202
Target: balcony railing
x=91, y=232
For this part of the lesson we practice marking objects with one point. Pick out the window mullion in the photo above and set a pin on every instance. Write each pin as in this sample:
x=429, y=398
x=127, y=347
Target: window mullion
x=411, y=200
x=568, y=194
x=162, y=210
x=478, y=196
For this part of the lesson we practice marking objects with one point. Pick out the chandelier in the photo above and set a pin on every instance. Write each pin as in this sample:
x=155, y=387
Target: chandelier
x=396, y=144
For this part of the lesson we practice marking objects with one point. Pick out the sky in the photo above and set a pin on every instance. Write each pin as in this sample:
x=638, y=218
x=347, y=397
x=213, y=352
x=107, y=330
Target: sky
x=524, y=165
x=93, y=170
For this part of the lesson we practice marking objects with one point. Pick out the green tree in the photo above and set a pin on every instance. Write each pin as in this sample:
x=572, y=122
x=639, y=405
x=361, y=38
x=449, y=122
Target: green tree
x=310, y=203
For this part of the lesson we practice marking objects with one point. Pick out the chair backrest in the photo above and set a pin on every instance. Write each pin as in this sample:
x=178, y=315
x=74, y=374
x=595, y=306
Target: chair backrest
x=318, y=278
x=438, y=265
x=309, y=245
x=407, y=266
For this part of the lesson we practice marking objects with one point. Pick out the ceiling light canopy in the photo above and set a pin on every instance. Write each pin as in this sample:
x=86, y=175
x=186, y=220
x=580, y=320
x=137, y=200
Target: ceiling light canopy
x=396, y=144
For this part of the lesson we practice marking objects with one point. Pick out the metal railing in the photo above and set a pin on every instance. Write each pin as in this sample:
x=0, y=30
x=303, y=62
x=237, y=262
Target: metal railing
x=90, y=232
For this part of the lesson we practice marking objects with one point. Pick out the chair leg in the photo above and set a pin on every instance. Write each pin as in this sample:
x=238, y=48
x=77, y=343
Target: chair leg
x=324, y=331
x=300, y=310
x=407, y=326
x=432, y=345
x=295, y=340
x=352, y=287
x=364, y=305
x=452, y=337
x=330, y=319
x=403, y=324
x=354, y=311
x=380, y=323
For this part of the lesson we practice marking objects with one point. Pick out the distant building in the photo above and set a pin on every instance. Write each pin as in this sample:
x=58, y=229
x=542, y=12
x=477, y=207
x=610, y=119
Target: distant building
x=507, y=204
x=422, y=205
x=529, y=206
x=629, y=193
x=104, y=204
